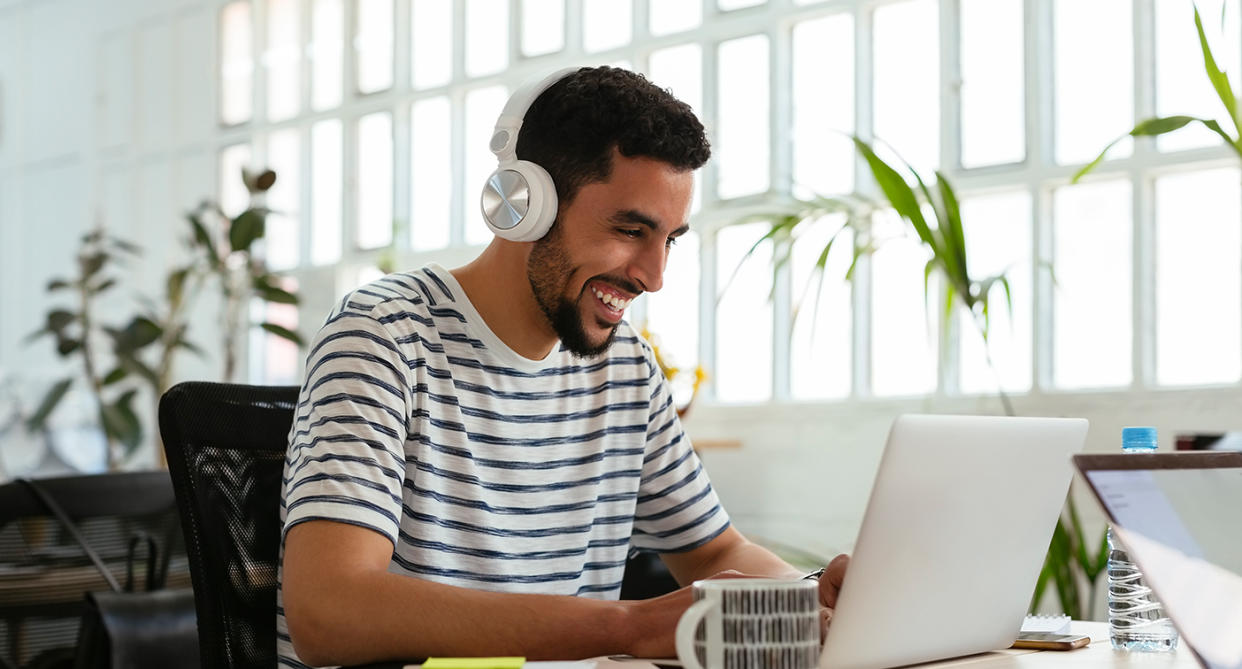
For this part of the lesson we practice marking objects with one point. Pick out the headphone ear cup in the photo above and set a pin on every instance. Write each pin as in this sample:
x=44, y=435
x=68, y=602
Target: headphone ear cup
x=519, y=201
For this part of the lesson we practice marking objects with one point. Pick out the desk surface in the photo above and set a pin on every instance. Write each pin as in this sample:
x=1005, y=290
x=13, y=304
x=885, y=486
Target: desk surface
x=1098, y=653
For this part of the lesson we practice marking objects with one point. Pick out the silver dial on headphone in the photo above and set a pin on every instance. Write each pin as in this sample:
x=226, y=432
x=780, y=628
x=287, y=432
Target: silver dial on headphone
x=506, y=199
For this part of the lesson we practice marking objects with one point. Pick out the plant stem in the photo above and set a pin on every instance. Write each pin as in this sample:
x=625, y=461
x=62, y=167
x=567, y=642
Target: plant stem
x=88, y=359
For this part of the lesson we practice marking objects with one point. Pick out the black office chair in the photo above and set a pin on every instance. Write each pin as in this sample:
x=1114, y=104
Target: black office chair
x=226, y=451
x=44, y=572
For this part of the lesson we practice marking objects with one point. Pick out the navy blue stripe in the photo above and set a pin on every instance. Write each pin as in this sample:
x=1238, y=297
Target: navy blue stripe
x=551, y=371
x=340, y=478
x=536, y=533
x=355, y=376
x=522, y=488
x=411, y=298
x=664, y=534
x=357, y=355
x=422, y=290
x=528, y=419
x=362, y=334
x=677, y=508
x=399, y=316
x=445, y=312
x=443, y=287
x=480, y=438
x=326, y=400
x=462, y=339
x=441, y=547
x=347, y=420
x=493, y=578
x=347, y=501
x=541, y=395
x=659, y=452
x=602, y=587
x=534, y=465
x=678, y=485
x=517, y=510
x=337, y=457
x=697, y=542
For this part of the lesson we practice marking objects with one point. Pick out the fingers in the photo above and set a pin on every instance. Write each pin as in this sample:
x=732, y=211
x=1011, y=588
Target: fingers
x=825, y=619
x=830, y=582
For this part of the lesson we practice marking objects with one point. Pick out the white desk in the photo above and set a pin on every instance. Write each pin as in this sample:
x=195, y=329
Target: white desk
x=1098, y=654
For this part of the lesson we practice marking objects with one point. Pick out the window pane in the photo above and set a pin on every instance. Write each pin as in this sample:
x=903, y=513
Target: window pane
x=904, y=337
x=727, y=5
x=673, y=312
x=1198, y=272
x=1092, y=315
x=431, y=47
x=280, y=242
x=673, y=16
x=483, y=106
x=993, y=113
x=743, y=117
x=998, y=239
x=1182, y=86
x=374, y=180
x=743, y=315
x=236, y=63
x=487, y=37
x=822, y=340
x=283, y=59
x=431, y=170
x=326, y=186
x=1093, y=70
x=373, y=44
x=680, y=70
x=606, y=24
x=907, y=81
x=327, y=55
x=823, y=105
x=233, y=195
x=543, y=26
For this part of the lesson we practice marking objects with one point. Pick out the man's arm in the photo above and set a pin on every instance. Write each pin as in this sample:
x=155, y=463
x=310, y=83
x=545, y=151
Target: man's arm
x=344, y=607
x=729, y=551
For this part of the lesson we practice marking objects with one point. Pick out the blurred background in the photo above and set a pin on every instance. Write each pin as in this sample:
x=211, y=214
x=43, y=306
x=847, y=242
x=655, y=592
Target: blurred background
x=1122, y=293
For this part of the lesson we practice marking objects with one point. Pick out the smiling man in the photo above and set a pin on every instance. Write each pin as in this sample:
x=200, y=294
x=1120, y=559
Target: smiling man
x=477, y=451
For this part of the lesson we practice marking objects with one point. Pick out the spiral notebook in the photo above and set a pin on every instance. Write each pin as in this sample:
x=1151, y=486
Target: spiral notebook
x=1052, y=624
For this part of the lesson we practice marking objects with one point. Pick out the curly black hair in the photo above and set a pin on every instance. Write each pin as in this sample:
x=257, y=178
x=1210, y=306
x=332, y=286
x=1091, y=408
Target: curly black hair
x=572, y=127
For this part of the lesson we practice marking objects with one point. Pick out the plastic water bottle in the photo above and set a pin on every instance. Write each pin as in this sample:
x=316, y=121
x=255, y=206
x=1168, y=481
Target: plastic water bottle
x=1136, y=620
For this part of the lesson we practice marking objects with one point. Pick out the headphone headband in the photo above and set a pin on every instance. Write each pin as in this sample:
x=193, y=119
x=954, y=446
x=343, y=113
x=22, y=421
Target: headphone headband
x=519, y=198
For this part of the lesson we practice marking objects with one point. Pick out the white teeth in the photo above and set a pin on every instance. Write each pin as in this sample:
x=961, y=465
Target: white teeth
x=611, y=300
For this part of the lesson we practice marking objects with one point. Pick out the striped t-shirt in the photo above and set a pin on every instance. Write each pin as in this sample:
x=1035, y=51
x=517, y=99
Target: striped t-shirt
x=485, y=469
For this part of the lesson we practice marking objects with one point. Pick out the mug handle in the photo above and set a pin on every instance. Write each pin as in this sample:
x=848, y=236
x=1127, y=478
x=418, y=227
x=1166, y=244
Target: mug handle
x=686, y=628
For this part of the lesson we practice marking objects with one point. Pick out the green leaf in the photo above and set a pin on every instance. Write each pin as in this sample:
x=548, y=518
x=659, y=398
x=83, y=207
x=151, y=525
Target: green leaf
x=139, y=333
x=116, y=375
x=282, y=332
x=59, y=319
x=1220, y=80
x=57, y=284
x=897, y=191
x=176, y=285
x=1041, y=584
x=53, y=397
x=1159, y=126
x=101, y=287
x=955, y=236
x=133, y=364
x=1101, y=557
x=121, y=423
x=190, y=346
x=1098, y=159
x=270, y=292
x=67, y=345
x=246, y=228
x=92, y=263
x=128, y=247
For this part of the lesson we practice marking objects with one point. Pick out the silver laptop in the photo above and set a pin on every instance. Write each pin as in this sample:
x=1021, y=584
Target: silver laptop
x=1180, y=517
x=953, y=539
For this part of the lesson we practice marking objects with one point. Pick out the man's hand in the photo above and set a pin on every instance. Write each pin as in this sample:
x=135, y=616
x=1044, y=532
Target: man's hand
x=829, y=588
x=654, y=621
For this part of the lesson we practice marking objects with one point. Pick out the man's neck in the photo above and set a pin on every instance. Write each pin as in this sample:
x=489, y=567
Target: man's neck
x=497, y=286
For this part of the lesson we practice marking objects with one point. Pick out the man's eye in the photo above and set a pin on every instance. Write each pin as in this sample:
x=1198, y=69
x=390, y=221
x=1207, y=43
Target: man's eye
x=632, y=232
x=670, y=242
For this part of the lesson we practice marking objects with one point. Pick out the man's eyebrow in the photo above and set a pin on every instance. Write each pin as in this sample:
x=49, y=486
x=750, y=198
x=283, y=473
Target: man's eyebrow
x=634, y=216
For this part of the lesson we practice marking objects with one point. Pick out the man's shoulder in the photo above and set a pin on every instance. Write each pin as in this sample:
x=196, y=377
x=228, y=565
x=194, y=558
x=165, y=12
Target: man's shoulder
x=414, y=291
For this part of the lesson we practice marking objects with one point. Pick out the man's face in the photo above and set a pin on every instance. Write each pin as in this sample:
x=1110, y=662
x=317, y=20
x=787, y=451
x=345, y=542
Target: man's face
x=609, y=244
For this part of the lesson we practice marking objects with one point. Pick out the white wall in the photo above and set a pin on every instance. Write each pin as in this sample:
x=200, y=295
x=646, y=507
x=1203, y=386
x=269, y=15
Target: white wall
x=106, y=116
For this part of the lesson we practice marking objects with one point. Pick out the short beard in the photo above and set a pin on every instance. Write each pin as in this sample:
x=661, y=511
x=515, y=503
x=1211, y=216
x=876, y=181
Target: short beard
x=548, y=268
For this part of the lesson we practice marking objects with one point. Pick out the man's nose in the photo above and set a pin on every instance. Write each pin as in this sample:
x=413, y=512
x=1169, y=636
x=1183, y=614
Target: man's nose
x=647, y=269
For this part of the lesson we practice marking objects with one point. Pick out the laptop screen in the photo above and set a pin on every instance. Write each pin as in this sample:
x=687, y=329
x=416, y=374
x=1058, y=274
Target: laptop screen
x=1180, y=516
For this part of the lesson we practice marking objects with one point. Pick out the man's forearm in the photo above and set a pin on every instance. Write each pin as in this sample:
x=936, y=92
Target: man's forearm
x=375, y=616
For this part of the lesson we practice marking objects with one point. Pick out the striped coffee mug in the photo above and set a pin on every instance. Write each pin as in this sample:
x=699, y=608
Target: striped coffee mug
x=751, y=623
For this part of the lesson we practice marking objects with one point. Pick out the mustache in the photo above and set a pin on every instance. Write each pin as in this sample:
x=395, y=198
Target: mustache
x=624, y=284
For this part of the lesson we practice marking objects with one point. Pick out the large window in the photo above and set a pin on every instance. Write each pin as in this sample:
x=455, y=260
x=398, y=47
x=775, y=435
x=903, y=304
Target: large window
x=376, y=114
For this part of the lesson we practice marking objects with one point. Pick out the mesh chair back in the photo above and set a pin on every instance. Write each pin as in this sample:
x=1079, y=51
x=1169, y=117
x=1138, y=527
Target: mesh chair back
x=226, y=451
x=44, y=572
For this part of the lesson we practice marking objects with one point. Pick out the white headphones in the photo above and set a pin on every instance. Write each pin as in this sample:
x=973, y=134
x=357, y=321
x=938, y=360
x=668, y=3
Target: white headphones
x=519, y=198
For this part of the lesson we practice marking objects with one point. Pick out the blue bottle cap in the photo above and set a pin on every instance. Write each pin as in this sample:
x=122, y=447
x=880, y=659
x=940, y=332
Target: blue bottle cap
x=1138, y=439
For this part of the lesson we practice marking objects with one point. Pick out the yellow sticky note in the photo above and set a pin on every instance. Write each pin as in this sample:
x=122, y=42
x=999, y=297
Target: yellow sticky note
x=474, y=663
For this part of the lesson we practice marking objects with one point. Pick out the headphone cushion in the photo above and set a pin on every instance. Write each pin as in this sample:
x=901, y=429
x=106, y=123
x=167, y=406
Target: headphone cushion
x=539, y=199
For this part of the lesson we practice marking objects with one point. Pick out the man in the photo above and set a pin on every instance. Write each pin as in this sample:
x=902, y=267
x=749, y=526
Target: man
x=476, y=451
